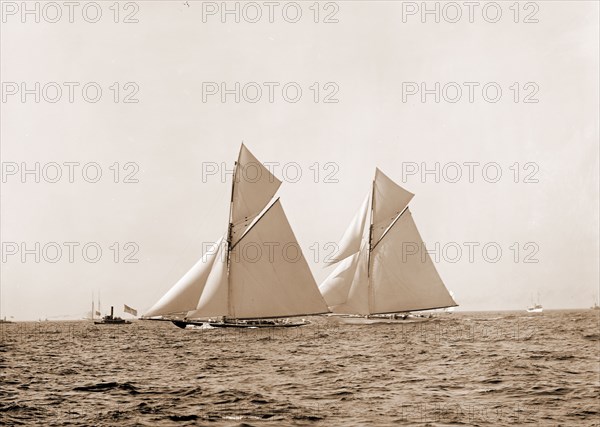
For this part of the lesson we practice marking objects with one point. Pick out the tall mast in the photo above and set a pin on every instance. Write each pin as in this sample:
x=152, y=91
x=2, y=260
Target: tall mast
x=230, y=236
x=371, y=229
x=369, y=287
x=230, y=226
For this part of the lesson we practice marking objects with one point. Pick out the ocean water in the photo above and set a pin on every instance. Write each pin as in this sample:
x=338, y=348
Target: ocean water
x=484, y=369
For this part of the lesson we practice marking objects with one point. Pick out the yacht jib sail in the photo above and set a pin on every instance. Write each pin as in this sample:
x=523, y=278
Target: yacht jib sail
x=352, y=238
x=185, y=294
x=256, y=270
x=390, y=270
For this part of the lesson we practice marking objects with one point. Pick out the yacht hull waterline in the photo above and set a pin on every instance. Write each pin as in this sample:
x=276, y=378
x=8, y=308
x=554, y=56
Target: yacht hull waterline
x=373, y=320
x=254, y=324
x=242, y=324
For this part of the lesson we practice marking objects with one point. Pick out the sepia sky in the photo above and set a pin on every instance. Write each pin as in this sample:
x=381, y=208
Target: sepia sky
x=541, y=211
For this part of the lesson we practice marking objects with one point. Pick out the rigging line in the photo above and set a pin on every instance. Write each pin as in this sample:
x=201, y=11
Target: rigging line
x=254, y=223
x=390, y=227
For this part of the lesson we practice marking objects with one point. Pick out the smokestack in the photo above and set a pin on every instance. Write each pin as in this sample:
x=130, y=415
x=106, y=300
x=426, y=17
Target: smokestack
x=111, y=311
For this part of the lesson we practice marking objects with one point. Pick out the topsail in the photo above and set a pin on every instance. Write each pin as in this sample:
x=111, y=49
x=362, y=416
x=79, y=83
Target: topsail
x=253, y=187
x=389, y=269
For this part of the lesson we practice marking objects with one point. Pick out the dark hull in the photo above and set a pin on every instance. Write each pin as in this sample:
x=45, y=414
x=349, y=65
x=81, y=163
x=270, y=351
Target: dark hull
x=255, y=325
x=111, y=319
x=245, y=324
x=112, y=322
x=101, y=322
x=182, y=324
x=375, y=320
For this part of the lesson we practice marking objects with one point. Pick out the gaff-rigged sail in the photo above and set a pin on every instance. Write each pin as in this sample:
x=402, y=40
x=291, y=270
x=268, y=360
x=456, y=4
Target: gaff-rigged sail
x=260, y=271
x=268, y=274
x=403, y=276
x=390, y=271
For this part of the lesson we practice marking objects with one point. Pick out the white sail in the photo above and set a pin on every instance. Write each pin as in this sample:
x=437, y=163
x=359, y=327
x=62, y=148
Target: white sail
x=346, y=289
x=336, y=287
x=268, y=275
x=358, y=301
x=450, y=309
x=403, y=276
x=381, y=278
x=260, y=272
x=184, y=295
x=214, y=298
x=253, y=188
x=278, y=283
x=353, y=236
x=389, y=201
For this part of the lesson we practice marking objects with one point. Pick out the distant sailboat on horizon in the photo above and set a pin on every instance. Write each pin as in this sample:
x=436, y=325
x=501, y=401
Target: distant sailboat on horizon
x=226, y=288
x=96, y=312
x=536, y=307
x=375, y=280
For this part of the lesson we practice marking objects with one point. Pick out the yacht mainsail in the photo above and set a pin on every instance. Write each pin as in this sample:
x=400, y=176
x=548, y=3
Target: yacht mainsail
x=383, y=266
x=257, y=269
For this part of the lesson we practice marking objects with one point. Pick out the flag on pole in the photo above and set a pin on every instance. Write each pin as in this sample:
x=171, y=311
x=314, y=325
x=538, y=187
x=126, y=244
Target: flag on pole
x=129, y=310
x=98, y=313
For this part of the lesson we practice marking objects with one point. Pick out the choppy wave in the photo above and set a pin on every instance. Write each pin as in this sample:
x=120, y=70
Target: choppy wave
x=461, y=369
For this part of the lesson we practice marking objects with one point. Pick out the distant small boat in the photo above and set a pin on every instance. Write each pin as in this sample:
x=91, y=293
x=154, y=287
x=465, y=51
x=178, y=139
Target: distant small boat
x=96, y=312
x=537, y=307
x=111, y=319
x=595, y=307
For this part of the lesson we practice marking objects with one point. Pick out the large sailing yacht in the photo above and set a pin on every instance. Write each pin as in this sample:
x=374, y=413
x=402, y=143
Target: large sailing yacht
x=383, y=269
x=232, y=287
